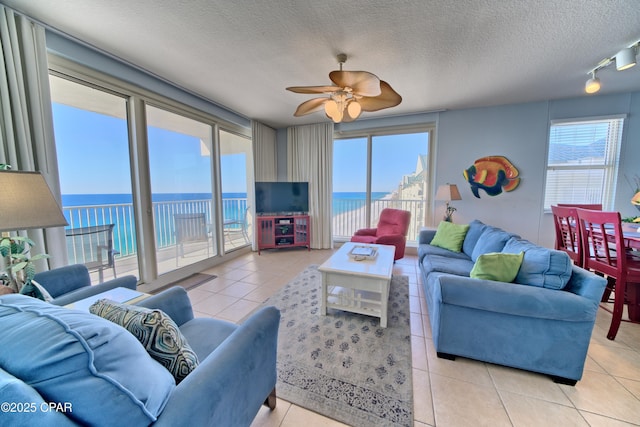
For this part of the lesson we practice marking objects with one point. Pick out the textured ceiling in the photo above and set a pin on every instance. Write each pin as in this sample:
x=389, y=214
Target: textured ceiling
x=448, y=54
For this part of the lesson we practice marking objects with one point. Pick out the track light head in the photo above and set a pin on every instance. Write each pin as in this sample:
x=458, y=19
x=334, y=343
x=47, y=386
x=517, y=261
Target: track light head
x=626, y=58
x=593, y=84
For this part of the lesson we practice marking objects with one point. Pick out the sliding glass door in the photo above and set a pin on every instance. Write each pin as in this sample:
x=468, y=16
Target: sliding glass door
x=92, y=145
x=180, y=167
x=374, y=172
x=236, y=171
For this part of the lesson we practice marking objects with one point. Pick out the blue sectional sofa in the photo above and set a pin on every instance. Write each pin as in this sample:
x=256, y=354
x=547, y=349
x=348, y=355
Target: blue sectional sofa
x=61, y=367
x=540, y=322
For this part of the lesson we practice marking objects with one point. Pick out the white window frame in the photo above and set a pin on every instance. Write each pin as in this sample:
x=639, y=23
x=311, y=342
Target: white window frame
x=609, y=165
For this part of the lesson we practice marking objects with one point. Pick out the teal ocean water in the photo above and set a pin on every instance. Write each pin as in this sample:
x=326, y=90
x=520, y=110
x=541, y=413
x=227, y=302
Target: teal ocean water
x=94, y=209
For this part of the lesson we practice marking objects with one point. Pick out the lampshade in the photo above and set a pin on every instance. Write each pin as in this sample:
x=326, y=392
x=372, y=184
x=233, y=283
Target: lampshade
x=626, y=58
x=26, y=202
x=448, y=192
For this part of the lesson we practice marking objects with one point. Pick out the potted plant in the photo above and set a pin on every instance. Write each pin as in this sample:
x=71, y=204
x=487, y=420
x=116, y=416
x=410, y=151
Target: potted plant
x=19, y=268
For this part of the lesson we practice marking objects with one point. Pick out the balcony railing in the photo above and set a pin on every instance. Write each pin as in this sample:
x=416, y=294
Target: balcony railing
x=349, y=215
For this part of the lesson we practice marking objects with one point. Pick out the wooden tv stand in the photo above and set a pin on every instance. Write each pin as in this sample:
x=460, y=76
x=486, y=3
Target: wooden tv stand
x=283, y=231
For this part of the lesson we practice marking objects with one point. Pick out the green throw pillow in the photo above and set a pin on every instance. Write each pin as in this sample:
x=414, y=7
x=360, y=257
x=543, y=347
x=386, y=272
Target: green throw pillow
x=157, y=332
x=450, y=236
x=497, y=266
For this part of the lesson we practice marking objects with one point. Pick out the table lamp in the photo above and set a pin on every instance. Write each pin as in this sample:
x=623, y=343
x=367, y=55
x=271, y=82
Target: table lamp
x=448, y=192
x=27, y=202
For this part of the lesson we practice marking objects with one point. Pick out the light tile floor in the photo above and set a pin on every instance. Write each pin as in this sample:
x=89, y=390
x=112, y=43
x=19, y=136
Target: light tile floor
x=448, y=393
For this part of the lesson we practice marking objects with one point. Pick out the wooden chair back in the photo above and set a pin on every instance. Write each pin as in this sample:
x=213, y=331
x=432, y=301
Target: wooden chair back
x=565, y=220
x=603, y=243
x=593, y=206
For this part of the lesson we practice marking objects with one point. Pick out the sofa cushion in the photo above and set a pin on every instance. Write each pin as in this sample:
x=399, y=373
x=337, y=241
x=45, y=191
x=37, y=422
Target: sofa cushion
x=541, y=267
x=492, y=239
x=498, y=297
x=159, y=335
x=502, y=267
x=426, y=249
x=73, y=356
x=446, y=264
x=450, y=236
x=475, y=231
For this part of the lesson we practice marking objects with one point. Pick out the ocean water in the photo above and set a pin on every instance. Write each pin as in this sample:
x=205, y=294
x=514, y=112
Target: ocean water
x=94, y=209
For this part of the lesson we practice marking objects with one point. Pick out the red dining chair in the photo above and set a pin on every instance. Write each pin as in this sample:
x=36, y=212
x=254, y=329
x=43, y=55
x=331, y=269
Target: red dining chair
x=565, y=221
x=590, y=206
x=605, y=252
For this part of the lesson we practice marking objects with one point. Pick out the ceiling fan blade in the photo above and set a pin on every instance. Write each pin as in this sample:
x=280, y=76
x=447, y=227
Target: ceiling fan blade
x=310, y=106
x=363, y=83
x=313, y=89
x=387, y=99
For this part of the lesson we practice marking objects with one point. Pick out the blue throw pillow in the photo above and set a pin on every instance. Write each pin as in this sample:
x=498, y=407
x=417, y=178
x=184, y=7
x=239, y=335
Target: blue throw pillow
x=542, y=267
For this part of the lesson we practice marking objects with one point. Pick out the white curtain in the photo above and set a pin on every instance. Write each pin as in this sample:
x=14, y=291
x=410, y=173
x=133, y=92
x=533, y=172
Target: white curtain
x=310, y=158
x=26, y=122
x=265, y=161
x=265, y=156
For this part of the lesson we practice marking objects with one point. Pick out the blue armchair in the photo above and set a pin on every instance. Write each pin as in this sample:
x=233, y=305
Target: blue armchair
x=94, y=372
x=72, y=283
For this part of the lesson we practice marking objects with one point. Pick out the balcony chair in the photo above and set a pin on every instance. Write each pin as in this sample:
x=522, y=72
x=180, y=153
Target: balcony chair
x=190, y=228
x=235, y=226
x=606, y=254
x=93, y=247
x=565, y=221
x=392, y=229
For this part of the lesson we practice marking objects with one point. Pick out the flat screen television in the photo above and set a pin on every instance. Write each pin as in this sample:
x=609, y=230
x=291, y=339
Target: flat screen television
x=282, y=197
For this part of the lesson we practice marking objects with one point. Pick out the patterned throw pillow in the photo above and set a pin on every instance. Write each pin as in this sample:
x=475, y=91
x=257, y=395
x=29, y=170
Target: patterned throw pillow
x=157, y=332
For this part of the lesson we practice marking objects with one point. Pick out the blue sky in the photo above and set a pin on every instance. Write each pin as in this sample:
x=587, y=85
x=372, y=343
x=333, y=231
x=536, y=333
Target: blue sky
x=393, y=156
x=93, y=158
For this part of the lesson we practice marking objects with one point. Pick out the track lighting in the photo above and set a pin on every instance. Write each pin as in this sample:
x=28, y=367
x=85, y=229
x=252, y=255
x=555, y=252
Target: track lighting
x=593, y=84
x=624, y=60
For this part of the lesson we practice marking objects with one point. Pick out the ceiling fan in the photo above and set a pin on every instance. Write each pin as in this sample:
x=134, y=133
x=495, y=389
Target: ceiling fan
x=352, y=93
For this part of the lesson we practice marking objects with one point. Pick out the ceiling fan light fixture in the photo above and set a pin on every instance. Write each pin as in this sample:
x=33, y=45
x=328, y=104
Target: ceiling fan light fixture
x=354, y=109
x=625, y=59
x=331, y=107
x=352, y=93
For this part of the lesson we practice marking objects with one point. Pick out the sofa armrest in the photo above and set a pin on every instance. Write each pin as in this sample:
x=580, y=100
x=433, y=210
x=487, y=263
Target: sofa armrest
x=130, y=282
x=63, y=280
x=174, y=302
x=231, y=384
x=586, y=284
x=426, y=236
x=366, y=232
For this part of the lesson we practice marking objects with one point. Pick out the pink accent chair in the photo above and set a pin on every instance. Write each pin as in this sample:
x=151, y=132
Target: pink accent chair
x=392, y=229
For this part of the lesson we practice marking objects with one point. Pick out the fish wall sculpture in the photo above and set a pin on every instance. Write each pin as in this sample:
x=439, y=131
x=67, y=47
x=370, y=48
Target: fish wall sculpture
x=493, y=174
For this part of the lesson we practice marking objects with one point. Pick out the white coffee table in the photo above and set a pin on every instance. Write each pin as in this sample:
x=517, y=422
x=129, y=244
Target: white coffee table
x=358, y=286
x=120, y=295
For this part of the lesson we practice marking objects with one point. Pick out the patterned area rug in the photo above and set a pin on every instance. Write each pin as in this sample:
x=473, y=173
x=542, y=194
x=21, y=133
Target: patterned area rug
x=344, y=365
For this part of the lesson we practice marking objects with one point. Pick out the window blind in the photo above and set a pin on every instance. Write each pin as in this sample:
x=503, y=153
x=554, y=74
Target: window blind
x=582, y=161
